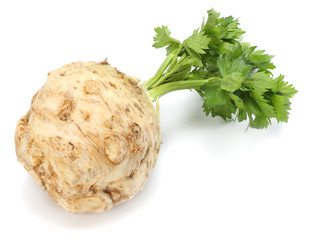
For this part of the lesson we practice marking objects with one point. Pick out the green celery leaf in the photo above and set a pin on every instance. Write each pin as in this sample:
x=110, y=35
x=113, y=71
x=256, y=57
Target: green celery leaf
x=163, y=38
x=264, y=106
x=247, y=48
x=225, y=111
x=172, y=47
x=260, y=81
x=212, y=19
x=225, y=47
x=241, y=115
x=259, y=122
x=282, y=105
x=224, y=64
x=214, y=95
x=284, y=88
x=237, y=100
x=257, y=119
x=227, y=65
x=217, y=101
x=229, y=28
x=239, y=65
x=231, y=82
x=261, y=60
x=198, y=42
x=195, y=45
x=197, y=61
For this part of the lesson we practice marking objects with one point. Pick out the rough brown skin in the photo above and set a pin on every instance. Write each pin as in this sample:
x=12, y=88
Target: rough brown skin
x=90, y=138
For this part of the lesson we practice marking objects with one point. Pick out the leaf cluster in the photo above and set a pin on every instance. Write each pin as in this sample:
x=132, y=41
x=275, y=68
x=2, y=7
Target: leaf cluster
x=238, y=80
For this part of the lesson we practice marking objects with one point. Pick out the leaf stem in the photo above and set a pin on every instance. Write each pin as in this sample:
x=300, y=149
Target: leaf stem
x=148, y=84
x=164, y=70
x=165, y=88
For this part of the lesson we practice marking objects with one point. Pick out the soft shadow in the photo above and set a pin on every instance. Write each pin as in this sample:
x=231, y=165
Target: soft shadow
x=185, y=118
x=40, y=204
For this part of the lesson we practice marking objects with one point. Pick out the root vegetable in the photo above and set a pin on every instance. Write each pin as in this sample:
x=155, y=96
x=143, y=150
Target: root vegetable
x=90, y=138
x=92, y=135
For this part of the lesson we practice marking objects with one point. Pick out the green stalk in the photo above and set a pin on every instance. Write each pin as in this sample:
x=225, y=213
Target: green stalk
x=148, y=84
x=164, y=70
x=165, y=88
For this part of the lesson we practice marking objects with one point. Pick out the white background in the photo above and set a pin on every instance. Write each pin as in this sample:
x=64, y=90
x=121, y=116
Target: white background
x=213, y=180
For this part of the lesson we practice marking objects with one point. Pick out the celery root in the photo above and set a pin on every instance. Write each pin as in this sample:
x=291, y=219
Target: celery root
x=90, y=138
